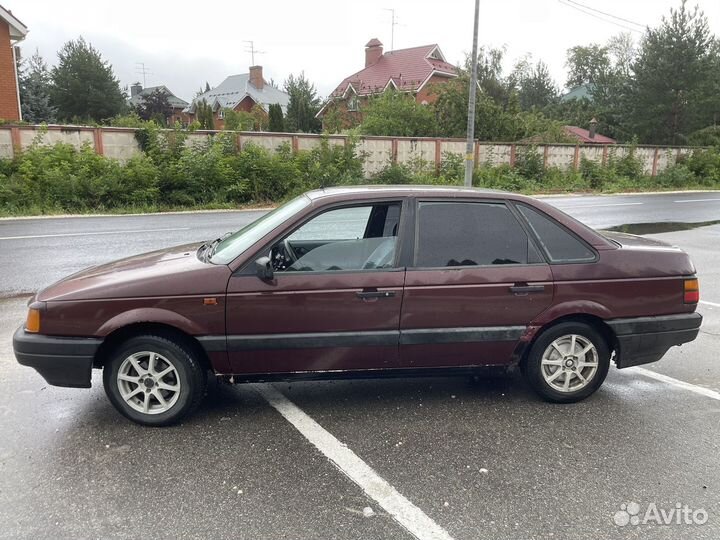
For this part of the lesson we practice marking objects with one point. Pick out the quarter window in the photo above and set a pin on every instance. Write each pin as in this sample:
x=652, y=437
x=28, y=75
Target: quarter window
x=470, y=234
x=560, y=245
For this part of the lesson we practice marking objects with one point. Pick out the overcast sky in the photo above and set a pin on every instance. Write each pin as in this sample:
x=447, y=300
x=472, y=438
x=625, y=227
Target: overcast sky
x=183, y=44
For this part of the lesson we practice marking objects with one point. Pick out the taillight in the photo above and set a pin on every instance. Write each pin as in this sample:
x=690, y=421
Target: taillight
x=691, y=291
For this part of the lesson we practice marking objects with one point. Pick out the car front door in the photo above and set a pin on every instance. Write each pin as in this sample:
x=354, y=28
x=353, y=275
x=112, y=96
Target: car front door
x=476, y=282
x=333, y=302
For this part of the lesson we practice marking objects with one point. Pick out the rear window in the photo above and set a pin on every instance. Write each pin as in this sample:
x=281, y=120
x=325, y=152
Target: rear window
x=469, y=234
x=559, y=244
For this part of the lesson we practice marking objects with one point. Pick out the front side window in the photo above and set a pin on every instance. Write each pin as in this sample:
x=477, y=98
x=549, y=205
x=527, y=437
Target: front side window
x=560, y=245
x=350, y=238
x=470, y=234
x=235, y=244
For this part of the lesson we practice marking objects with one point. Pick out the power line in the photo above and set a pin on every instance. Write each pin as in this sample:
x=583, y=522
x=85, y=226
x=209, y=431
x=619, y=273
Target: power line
x=582, y=10
x=605, y=13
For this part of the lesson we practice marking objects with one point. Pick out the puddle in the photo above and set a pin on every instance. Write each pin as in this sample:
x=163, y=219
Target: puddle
x=660, y=227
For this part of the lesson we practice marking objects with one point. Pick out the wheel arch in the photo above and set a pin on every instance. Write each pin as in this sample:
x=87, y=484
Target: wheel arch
x=593, y=320
x=118, y=336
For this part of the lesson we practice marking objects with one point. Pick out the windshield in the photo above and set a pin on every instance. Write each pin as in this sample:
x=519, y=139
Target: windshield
x=236, y=243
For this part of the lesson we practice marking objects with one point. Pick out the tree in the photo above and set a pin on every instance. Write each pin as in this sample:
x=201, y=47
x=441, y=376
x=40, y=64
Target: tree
x=238, y=120
x=276, y=121
x=34, y=82
x=304, y=104
x=674, y=90
x=608, y=70
x=204, y=115
x=397, y=114
x=260, y=118
x=155, y=106
x=536, y=86
x=585, y=64
x=84, y=85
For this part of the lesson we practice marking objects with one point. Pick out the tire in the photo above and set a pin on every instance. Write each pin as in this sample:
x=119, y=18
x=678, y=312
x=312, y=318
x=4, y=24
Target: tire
x=558, y=376
x=162, y=395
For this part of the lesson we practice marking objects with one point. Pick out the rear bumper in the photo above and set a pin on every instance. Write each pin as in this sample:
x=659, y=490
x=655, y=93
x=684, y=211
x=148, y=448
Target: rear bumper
x=62, y=361
x=642, y=340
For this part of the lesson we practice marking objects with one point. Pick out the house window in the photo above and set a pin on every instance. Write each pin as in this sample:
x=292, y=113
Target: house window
x=221, y=114
x=352, y=103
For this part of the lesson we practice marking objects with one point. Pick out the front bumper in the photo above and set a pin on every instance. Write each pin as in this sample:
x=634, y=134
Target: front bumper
x=642, y=340
x=62, y=361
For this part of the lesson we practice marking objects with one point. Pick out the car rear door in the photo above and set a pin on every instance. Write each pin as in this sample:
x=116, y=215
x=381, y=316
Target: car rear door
x=476, y=280
x=334, y=301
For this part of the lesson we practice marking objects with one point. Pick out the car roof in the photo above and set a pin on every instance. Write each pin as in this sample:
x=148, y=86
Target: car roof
x=358, y=192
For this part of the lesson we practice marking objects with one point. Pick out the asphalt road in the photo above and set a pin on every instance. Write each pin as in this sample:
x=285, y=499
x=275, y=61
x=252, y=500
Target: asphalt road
x=458, y=459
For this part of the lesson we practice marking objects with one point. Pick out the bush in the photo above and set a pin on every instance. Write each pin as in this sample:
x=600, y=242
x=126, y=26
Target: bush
x=210, y=172
x=676, y=176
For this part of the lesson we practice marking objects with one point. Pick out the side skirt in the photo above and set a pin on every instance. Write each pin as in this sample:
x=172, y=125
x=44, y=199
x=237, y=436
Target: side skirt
x=369, y=374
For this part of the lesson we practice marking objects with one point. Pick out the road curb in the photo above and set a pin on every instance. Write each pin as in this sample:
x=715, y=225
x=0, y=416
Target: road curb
x=268, y=208
x=171, y=213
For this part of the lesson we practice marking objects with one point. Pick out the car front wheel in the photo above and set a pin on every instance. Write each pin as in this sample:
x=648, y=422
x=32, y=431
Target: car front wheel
x=154, y=381
x=567, y=363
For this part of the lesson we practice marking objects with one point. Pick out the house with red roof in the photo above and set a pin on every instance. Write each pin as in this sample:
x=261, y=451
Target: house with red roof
x=587, y=136
x=415, y=70
x=12, y=31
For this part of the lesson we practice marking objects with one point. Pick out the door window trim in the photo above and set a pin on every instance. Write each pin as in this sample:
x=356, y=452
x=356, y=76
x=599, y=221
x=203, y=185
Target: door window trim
x=503, y=202
x=248, y=269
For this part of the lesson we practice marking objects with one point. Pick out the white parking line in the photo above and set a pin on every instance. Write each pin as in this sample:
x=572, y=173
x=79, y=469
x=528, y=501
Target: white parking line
x=695, y=200
x=94, y=233
x=676, y=382
x=602, y=205
x=402, y=510
x=713, y=304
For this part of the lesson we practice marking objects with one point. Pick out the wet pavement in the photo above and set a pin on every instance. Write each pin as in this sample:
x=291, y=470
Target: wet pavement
x=481, y=459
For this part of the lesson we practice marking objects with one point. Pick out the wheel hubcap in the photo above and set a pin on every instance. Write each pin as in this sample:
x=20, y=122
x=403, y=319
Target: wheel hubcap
x=148, y=382
x=569, y=363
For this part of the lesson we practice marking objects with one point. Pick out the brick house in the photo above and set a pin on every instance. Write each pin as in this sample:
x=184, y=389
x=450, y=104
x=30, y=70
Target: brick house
x=178, y=105
x=12, y=31
x=240, y=93
x=414, y=70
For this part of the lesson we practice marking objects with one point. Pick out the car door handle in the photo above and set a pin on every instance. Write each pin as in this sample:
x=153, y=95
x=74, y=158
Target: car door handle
x=375, y=294
x=524, y=288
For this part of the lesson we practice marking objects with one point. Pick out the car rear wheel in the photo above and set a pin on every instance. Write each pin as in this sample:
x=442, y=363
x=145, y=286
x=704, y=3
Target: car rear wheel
x=154, y=381
x=568, y=362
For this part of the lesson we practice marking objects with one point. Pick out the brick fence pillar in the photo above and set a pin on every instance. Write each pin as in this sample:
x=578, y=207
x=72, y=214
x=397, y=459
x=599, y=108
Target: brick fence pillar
x=438, y=155
x=655, y=162
x=15, y=140
x=576, y=157
x=98, y=140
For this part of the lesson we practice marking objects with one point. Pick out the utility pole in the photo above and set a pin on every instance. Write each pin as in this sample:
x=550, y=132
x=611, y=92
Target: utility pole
x=470, y=147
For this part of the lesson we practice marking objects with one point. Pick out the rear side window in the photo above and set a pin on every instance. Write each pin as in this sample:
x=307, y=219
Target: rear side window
x=470, y=234
x=560, y=245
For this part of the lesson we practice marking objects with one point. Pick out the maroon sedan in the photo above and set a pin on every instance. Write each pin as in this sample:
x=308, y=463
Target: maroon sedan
x=367, y=281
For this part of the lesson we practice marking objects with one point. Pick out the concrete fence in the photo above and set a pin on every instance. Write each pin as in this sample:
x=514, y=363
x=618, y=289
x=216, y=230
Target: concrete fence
x=121, y=144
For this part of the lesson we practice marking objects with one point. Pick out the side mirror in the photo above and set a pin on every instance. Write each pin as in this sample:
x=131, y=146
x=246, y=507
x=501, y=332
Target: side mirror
x=264, y=269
